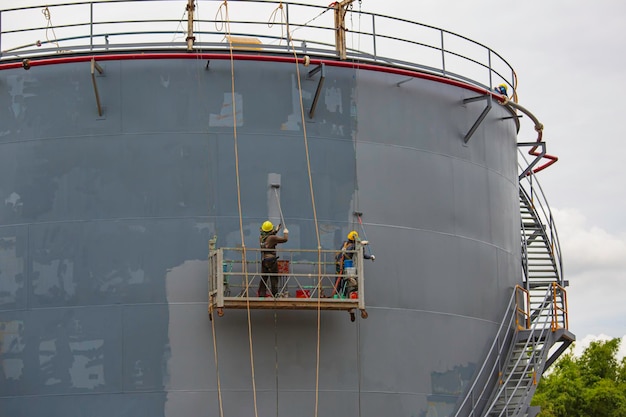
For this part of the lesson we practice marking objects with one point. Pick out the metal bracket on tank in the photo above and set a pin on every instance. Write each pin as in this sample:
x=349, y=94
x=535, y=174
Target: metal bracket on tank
x=321, y=67
x=481, y=117
x=538, y=156
x=95, y=66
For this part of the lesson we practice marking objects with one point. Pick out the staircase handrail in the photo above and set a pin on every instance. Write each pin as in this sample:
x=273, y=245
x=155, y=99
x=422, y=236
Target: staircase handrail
x=505, y=325
x=535, y=345
x=530, y=186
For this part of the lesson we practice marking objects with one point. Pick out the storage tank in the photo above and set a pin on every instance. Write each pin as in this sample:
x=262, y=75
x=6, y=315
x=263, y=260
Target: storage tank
x=121, y=161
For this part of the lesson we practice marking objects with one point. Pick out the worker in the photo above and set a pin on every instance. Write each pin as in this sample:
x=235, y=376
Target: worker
x=345, y=285
x=268, y=240
x=501, y=89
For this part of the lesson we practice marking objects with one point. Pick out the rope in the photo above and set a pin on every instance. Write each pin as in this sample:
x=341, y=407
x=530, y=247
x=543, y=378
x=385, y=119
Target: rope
x=182, y=29
x=272, y=20
x=49, y=26
x=46, y=13
x=217, y=371
x=276, y=355
x=364, y=234
x=358, y=361
x=213, y=331
x=224, y=6
x=311, y=20
x=317, y=232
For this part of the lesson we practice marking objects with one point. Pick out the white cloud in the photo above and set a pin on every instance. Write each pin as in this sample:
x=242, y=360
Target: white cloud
x=588, y=247
x=583, y=344
x=595, y=266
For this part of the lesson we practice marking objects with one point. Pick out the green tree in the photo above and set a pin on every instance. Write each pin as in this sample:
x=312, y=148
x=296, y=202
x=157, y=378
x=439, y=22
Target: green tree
x=593, y=385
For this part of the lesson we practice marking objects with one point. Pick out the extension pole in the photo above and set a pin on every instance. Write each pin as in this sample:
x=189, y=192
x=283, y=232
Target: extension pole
x=282, y=219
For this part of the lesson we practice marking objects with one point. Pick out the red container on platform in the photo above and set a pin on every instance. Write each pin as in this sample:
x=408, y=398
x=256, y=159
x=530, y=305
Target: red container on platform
x=303, y=294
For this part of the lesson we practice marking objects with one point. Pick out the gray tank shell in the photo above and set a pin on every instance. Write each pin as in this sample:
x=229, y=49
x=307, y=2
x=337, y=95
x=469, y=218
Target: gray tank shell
x=105, y=223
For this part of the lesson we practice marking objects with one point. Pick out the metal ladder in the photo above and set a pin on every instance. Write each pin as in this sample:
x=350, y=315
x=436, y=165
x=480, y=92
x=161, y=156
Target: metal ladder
x=534, y=331
x=541, y=324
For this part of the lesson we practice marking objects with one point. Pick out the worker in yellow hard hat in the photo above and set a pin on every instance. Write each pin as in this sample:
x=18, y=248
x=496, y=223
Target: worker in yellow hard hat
x=343, y=285
x=501, y=89
x=268, y=240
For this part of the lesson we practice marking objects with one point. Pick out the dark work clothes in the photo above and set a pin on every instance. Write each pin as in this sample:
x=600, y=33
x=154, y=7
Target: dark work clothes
x=269, y=263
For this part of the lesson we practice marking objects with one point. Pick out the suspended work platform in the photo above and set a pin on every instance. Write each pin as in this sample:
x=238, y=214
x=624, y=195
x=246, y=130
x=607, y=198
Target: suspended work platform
x=306, y=280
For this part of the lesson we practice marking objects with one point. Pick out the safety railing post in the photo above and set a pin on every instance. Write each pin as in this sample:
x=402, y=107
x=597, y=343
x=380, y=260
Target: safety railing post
x=361, y=277
x=374, y=36
x=0, y=33
x=490, y=69
x=219, y=297
x=91, y=26
x=443, y=55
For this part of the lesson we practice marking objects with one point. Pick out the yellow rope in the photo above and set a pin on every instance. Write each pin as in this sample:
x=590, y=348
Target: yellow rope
x=317, y=233
x=243, y=244
x=49, y=26
x=272, y=20
x=212, y=311
x=217, y=370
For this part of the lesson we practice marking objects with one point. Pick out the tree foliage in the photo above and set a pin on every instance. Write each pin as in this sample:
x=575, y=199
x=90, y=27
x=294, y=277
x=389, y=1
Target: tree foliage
x=592, y=385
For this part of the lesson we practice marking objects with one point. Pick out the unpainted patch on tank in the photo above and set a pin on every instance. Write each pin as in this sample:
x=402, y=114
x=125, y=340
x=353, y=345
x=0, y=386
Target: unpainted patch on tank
x=226, y=118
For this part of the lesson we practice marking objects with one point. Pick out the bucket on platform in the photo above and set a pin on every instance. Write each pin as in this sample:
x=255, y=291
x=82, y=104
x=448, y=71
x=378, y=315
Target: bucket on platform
x=351, y=271
x=303, y=293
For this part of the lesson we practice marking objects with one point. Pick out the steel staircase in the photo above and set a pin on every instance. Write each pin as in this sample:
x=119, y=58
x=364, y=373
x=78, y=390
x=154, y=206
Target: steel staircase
x=534, y=331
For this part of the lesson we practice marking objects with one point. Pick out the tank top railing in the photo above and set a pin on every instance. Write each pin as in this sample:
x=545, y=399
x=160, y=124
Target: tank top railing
x=306, y=280
x=106, y=26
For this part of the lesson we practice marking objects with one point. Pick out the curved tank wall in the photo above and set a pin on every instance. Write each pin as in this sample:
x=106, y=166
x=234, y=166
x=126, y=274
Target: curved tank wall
x=105, y=222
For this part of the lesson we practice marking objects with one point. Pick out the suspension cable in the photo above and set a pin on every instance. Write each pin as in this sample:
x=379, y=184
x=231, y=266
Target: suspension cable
x=217, y=370
x=211, y=310
x=276, y=354
x=223, y=9
x=317, y=232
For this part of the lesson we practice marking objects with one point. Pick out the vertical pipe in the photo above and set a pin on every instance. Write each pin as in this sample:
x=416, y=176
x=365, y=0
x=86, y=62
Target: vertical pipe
x=0, y=32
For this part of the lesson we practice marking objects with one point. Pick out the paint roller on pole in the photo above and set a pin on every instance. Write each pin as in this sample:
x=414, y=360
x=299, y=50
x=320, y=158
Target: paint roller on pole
x=276, y=187
x=365, y=242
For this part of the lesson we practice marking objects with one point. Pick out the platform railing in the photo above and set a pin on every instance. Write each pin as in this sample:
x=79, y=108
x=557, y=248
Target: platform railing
x=76, y=27
x=307, y=279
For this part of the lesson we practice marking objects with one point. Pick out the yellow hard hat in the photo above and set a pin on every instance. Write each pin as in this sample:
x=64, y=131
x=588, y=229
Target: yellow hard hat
x=353, y=235
x=267, y=226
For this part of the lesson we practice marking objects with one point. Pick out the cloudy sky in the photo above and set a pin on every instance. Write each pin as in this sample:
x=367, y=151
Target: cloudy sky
x=570, y=73
x=569, y=58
